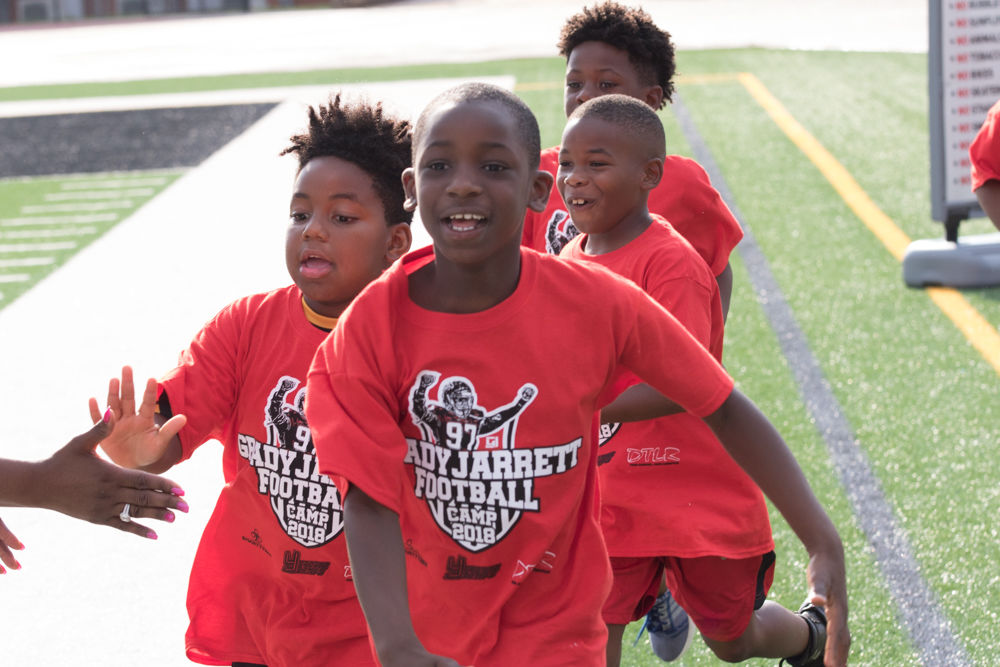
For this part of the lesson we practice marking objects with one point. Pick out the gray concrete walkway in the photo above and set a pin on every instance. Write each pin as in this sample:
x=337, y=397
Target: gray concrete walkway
x=90, y=595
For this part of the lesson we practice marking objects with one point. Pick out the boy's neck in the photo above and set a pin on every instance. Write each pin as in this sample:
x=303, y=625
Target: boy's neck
x=627, y=230
x=447, y=287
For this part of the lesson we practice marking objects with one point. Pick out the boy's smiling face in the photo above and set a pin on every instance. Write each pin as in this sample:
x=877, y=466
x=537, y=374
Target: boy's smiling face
x=596, y=68
x=603, y=174
x=473, y=180
x=338, y=240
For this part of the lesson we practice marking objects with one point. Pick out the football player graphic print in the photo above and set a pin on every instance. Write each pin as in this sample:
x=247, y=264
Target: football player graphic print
x=466, y=466
x=456, y=421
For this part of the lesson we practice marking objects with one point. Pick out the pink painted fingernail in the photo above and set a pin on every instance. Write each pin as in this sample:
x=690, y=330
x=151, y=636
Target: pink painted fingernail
x=177, y=491
x=17, y=565
x=2, y=571
x=107, y=415
x=182, y=506
x=151, y=535
x=169, y=518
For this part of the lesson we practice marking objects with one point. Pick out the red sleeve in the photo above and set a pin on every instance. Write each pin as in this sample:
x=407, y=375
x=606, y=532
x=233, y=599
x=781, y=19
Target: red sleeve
x=686, y=198
x=352, y=413
x=667, y=357
x=688, y=301
x=204, y=385
x=984, y=153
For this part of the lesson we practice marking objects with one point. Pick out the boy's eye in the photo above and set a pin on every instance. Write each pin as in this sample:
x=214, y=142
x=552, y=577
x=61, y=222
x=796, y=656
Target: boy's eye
x=436, y=165
x=343, y=219
x=297, y=216
x=494, y=167
x=605, y=85
x=565, y=164
x=574, y=85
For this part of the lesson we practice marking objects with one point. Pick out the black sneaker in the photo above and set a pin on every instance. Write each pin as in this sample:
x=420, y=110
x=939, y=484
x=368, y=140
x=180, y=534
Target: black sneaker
x=816, y=648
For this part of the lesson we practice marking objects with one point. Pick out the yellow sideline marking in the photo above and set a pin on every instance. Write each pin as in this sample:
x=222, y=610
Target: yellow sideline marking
x=983, y=335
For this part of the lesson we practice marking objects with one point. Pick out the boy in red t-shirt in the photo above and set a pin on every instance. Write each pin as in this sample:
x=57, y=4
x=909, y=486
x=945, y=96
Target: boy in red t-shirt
x=610, y=48
x=984, y=154
x=456, y=400
x=271, y=581
x=672, y=499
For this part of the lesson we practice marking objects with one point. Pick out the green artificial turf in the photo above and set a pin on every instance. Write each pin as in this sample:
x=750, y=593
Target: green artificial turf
x=920, y=399
x=33, y=239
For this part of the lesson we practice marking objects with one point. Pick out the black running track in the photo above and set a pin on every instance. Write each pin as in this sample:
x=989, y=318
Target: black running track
x=120, y=140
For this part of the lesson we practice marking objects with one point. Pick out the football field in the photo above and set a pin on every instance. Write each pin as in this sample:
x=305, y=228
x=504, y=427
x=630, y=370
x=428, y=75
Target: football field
x=122, y=229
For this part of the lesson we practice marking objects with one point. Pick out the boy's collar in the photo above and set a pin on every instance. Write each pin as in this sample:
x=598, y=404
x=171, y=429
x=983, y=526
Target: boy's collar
x=317, y=320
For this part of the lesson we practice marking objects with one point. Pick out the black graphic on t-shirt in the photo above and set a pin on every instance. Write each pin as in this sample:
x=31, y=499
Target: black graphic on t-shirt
x=466, y=465
x=305, y=502
x=559, y=231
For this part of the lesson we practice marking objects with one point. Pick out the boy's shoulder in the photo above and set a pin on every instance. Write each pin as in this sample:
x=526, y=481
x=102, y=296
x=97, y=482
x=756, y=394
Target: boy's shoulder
x=684, y=168
x=252, y=307
x=588, y=280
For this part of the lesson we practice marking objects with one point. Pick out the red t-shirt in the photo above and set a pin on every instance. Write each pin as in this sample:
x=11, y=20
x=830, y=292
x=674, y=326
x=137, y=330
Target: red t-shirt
x=668, y=486
x=270, y=581
x=685, y=197
x=984, y=153
x=478, y=430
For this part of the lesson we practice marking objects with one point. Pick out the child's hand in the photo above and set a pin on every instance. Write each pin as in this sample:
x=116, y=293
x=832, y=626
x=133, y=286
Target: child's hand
x=136, y=441
x=7, y=542
x=80, y=484
x=828, y=589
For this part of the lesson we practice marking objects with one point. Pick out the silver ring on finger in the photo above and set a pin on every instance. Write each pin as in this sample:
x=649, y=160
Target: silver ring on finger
x=125, y=516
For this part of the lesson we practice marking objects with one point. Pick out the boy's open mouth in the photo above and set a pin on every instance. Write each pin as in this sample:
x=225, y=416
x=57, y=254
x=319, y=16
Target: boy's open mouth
x=464, y=222
x=314, y=266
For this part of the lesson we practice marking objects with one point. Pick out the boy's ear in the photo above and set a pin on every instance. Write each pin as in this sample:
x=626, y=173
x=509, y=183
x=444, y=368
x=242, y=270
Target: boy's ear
x=652, y=173
x=654, y=97
x=410, y=189
x=541, y=188
x=400, y=238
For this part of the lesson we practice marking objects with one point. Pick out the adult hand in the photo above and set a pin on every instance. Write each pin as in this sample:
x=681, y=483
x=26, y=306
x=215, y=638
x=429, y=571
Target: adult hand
x=77, y=482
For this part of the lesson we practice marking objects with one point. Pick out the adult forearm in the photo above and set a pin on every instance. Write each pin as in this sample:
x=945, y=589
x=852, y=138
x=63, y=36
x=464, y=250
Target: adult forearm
x=17, y=484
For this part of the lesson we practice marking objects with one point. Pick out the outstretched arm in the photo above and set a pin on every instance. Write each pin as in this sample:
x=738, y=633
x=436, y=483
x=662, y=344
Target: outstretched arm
x=378, y=565
x=78, y=483
x=495, y=420
x=143, y=440
x=755, y=444
x=638, y=403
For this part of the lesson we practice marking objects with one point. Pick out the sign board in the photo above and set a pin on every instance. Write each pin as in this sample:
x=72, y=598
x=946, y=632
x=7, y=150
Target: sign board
x=963, y=83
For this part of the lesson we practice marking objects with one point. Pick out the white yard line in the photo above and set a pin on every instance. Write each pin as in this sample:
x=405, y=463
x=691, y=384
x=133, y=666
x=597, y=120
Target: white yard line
x=80, y=194
x=48, y=233
x=58, y=220
x=37, y=247
x=14, y=277
x=70, y=208
x=113, y=183
x=26, y=261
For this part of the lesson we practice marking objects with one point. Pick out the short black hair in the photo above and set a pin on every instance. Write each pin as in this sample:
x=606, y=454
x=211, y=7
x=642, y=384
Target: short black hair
x=634, y=117
x=363, y=134
x=629, y=29
x=527, y=124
